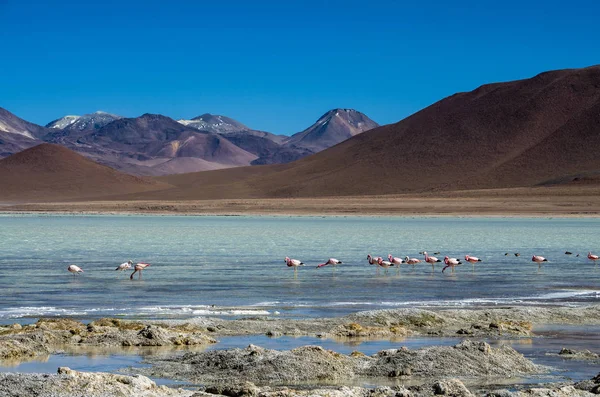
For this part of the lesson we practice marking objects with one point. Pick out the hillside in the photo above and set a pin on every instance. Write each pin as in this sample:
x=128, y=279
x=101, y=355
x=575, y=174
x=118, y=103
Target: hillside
x=17, y=134
x=50, y=172
x=519, y=133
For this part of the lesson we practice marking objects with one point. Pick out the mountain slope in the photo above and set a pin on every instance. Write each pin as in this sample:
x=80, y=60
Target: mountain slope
x=51, y=172
x=17, y=134
x=63, y=122
x=519, y=133
x=333, y=127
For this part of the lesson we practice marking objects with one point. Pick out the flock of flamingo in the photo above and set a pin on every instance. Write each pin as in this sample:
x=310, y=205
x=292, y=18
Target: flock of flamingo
x=122, y=267
x=378, y=261
x=432, y=260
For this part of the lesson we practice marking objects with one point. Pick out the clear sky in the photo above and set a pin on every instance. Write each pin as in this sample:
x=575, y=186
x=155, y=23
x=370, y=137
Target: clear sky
x=277, y=65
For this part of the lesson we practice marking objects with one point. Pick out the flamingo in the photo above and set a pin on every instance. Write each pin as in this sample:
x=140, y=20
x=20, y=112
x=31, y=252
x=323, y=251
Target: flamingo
x=412, y=261
x=331, y=261
x=373, y=260
x=74, y=269
x=593, y=257
x=395, y=261
x=293, y=263
x=451, y=262
x=384, y=264
x=138, y=268
x=124, y=266
x=472, y=259
x=431, y=259
x=538, y=259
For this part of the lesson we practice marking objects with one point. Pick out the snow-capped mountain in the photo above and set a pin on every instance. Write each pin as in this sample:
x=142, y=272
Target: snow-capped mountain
x=92, y=121
x=154, y=144
x=214, y=123
x=63, y=122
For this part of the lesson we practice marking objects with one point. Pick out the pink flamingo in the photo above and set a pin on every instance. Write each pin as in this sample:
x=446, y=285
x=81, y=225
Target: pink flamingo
x=293, y=263
x=373, y=260
x=472, y=260
x=331, y=261
x=451, y=262
x=138, y=268
x=412, y=261
x=395, y=261
x=593, y=257
x=431, y=259
x=538, y=259
x=74, y=269
x=384, y=264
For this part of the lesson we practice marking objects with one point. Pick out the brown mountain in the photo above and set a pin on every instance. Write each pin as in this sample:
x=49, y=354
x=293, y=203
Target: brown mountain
x=50, y=172
x=520, y=133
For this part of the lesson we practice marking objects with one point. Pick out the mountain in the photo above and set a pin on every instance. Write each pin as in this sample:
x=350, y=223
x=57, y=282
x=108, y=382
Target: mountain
x=155, y=139
x=333, y=127
x=214, y=123
x=63, y=122
x=531, y=132
x=17, y=134
x=207, y=142
x=77, y=126
x=51, y=172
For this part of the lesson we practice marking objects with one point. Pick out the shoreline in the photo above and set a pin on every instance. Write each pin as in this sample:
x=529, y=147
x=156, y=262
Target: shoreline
x=536, y=202
x=313, y=365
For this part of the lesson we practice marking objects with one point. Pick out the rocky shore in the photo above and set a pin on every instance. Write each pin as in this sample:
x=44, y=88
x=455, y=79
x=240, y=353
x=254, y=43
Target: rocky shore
x=315, y=364
x=69, y=383
x=51, y=335
x=237, y=372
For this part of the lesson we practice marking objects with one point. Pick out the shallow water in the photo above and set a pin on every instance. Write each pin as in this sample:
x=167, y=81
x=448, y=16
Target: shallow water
x=541, y=350
x=233, y=266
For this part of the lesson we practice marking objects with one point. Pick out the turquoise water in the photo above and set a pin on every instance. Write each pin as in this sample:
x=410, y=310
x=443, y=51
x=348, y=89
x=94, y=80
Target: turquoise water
x=234, y=266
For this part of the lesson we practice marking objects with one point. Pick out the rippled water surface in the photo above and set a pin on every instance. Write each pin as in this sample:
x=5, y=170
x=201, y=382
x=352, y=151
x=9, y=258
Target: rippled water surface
x=234, y=266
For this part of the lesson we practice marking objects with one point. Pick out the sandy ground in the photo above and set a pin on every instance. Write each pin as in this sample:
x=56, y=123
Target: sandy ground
x=541, y=201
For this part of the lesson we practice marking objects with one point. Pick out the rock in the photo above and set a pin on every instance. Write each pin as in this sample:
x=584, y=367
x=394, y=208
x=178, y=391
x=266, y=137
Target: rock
x=239, y=390
x=451, y=387
x=578, y=354
x=313, y=363
x=69, y=383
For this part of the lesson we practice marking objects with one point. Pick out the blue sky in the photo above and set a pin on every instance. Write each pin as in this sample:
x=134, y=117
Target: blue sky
x=277, y=65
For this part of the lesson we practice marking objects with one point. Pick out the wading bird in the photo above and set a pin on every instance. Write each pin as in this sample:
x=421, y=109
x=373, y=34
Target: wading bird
x=472, y=259
x=384, y=264
x=331, y=261
x=293, y=263
x=538, y=259
x=451, y=262
x=373, y=260
x=395, y=261
x=431, y=259
x=124, y=266
x=138, y=268
x=412, y=261
x=74, y=269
